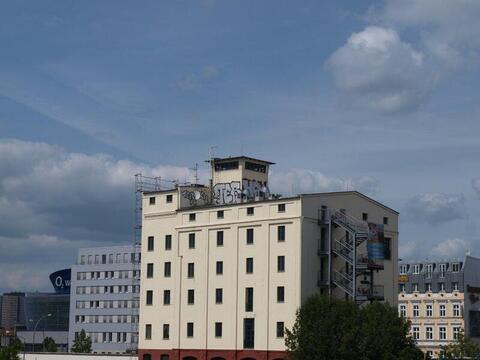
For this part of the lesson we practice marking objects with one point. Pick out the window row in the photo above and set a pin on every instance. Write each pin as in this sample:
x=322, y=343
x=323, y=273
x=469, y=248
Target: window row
x=111, y=337
x=427, y=287
x=108, y=304
x=433, y=333
x=249, y=210
x=102, y=275
x=112, y=289
x=428, y=310
x=219, y=237
x=118, y=258
x=167, y=297
x=429, y=269
x=99, y=319
x=152, y=200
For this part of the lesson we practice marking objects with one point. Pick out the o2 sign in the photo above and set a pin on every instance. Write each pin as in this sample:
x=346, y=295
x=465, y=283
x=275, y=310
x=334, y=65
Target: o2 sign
x=61, y=281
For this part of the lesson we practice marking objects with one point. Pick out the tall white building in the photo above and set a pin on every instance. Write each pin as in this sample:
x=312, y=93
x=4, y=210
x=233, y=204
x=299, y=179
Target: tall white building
x=104, y=298
x=226, y=266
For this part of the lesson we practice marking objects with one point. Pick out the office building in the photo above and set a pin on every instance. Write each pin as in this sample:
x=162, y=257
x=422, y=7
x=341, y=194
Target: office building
x=12, y=311
x=441, y=299
x=226, y=266
x=104, y=298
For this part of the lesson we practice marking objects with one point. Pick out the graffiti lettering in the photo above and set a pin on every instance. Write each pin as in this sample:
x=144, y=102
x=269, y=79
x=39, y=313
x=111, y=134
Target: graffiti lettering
x=232, y=193
x=195, y=197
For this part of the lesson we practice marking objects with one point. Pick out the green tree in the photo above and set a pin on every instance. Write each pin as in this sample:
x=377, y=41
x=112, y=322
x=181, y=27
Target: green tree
x=336, y=330
x=10, y=352
x=462, y=348
x=49, y=345
x=83, y=344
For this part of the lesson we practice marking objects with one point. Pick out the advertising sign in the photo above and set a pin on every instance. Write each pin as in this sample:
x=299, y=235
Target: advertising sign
x=61, y=281
x=375, y=242
x=403, y=278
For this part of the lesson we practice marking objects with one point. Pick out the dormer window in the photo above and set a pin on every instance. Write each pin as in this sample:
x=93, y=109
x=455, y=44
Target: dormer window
x=403, y=269
x=428, y=271
x=416, y=269
x=442, y=268
x=456, y=267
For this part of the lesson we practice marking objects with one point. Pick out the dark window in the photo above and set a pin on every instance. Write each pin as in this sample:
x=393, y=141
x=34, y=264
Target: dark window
x=218, y=296
x=166, y=297
x=190, y=329
x=220, y=214
x=280, y=294
x=192, y=216
x=281, y=233
x=191, y=270
x=167, y=269
x=255, y=167
x=168, y=242
x=248, y=333
x=219, y=238
x=387, y=248
x=166, y=332
x=104, y=257
x=191, y=241
x=145, y=356
x=364, y=216
x=281, y=263
x=385, y=220
x=169, y=198
x=230, y=165
x=248, y=299
x=280, y=329
x=148, y=331
x=164, y=356
x=219, y=267
x=249, y=236
x=152, y=200
x=218, y=329
x=281, y=207
x=149, y=297
x=249, y=266
x=150, y=246
x=250, y=210
x=191, y=297
x=150, y=270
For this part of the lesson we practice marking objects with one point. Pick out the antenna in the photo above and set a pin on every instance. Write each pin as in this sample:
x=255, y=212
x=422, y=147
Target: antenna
x=210, y=160
x=195, y=170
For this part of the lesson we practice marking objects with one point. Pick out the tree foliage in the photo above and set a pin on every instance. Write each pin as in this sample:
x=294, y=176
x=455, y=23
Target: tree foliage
x=336, y=330
x=462, y=348
x=49, y=345
x=83, y=344
x=11, y=352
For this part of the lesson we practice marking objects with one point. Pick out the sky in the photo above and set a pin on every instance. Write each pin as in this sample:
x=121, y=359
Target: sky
x=377, y=96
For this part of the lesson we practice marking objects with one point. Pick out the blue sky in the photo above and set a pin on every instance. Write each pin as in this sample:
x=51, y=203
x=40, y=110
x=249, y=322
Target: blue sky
x=378, y=96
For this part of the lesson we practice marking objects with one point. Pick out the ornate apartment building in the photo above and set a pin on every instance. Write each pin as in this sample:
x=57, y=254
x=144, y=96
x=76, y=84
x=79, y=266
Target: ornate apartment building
x=441, y=299
x=226, y=266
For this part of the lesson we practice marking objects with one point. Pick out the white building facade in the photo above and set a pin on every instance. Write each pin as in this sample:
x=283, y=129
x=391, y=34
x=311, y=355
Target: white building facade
x=225, y=268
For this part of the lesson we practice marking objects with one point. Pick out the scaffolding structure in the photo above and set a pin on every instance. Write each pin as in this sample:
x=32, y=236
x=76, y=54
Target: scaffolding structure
x=341, y=238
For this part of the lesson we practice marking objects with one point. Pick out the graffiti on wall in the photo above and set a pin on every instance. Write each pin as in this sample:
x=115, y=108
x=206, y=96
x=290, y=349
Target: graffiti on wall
x=233, y=193
x=194, y=197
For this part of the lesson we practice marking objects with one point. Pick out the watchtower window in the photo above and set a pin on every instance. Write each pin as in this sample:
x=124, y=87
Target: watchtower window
x=255, y=167
x=230, y=165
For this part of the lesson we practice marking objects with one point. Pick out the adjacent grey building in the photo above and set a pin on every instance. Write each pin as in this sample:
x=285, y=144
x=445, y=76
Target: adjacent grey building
x=104, y=298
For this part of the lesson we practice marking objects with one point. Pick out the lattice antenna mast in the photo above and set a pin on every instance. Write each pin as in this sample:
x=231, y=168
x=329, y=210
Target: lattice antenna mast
x=210, y=160
x=195, y=173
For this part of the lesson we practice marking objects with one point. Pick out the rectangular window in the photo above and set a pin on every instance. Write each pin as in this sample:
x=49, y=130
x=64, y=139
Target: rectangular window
x=415, y=287
x=191, y=241
x=416, y=310
x=168, y=242
x=415, y=332
x=191, y=297
x=166, y=331
x=218, y=329
x=250, y=210
x=364, y=216
x=167, y=269
x=169, y=198
x=280, y=329
x=442, y=269
x=387, y=248
x=443, y=310
x=192, y=216
x=280, y=294
x=442, y=332
x=104, y=257
x=166, y=297
x=150, y=245
x=150, y=270
x=456, y=267
x=281, y=263
x=416, y=269
x=455, y=286
x=148, y=331
x=149, y=297
x=429, y=333
x=281, y=208
x=403, y=269
x=220, y=214
x=441, y=286
x=281, y=233
x=385, y=220
x=429, y=310
x=456, y=310
x=219, y=238
x=152, y=200
x=191, y=270
x=249, y=266
x=255, y=167
x=249, y=299
x=402, y=287
x=219, y=267
x=249, y=236
x=456, y=332
x=218, y=296
x=428, y=287
x=248, y=333
x=190, y=329
x=402, y=310
x=428, y=271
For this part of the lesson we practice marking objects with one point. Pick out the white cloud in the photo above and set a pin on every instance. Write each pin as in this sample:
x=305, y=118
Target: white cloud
x=375, y=70
x=195, y=80
x=451, y=248
x=476, y=185
x=407, y=250
x=435, y=208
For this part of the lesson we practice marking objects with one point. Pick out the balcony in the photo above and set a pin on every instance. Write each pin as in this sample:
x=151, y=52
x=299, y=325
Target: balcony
x=376, y=292
x=371, y=264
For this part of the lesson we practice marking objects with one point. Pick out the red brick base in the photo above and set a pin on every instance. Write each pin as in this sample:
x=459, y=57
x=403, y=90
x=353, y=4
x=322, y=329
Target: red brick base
x=191, y=354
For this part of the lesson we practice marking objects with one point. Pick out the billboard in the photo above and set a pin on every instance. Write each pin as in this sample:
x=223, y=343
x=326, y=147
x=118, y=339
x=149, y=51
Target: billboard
x=376, y=242
x=61, y=281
